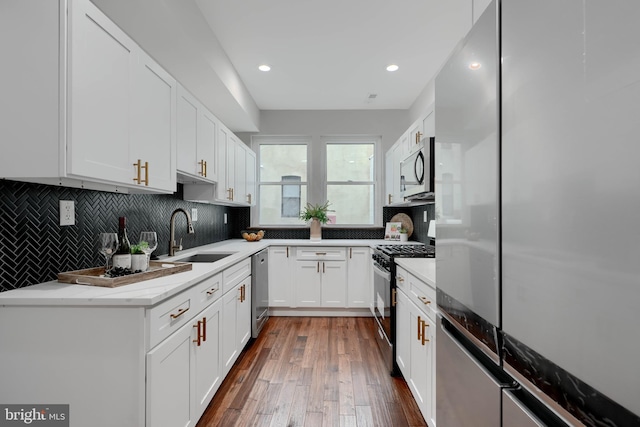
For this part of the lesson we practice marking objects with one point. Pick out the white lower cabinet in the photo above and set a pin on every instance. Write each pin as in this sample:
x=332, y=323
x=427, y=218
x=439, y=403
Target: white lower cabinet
x=184, y=371
x=359, y=280
x=237, y=322
x=415, y=341
x=281, y=292
x=320, y=283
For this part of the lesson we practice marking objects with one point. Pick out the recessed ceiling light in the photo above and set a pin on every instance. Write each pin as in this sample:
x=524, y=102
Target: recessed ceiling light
x=264, y=67
x=475, y=65
x=392, y=67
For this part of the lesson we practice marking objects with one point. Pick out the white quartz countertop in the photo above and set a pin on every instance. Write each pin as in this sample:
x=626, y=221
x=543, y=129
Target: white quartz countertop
x=422, y=268
x=151, y=292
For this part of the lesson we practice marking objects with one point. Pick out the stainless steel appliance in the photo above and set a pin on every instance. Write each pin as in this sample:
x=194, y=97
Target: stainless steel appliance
x=417, y=172
x=384, y=284
x=259, y=291
x=537, y=319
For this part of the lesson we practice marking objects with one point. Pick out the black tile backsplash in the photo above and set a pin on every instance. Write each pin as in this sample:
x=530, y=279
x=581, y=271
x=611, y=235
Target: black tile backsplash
x=34, y=248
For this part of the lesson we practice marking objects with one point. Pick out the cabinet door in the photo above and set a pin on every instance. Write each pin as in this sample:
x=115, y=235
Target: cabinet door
x=281, y=291
x=229, y=336
x=240, y=173
x=101, y=60
x=153, y=131
x=207, y=360
x=334, y=283
x=403, y=337
x=207, y=131
x=170, y=381
x=420, y=360
x=243, y=321
x=307, y=282
x=231, y=173
x=222, y=188
x=187, y=133
x=359, y=284
x=251, y=177
x=388, y=176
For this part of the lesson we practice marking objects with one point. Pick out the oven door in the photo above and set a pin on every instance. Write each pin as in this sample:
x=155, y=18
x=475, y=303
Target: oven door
x=382, y=298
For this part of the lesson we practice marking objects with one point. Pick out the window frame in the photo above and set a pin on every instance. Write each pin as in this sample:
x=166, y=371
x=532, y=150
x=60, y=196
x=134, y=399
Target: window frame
x=316, y=184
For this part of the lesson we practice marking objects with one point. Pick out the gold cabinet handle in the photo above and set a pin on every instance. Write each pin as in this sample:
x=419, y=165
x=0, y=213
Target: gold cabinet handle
x=212, y=291
x=232, y=194
x=244, y=292
x=424, y=300
x=350, y=253
x=179, y=313
x=139, y=166
x=424, y=332
x=249, y=198
x=323, y=267
x=318, y=267
x=240, y=297
x=204, y=329
x=229, y=193
x=419, y=329
x=203, y=167
x=393, y=297
x=199, y=326
x=418, y=136
x=400, y=278
x=287, y=251
x=389, y=198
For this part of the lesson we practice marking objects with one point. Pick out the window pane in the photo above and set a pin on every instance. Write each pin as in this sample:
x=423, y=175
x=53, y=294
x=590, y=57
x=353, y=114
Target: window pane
x=351, y=204
x=350, y=162
x=278, y=160
x=278, y=203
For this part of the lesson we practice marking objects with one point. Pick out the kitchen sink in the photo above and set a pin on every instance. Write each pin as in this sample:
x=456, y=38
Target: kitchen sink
x=205, y=257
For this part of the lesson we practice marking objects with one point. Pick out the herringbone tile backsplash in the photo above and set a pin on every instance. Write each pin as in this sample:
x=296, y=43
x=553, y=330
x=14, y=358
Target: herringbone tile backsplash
x=34, y=248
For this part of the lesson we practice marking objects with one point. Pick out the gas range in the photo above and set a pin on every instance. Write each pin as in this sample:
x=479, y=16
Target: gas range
x=385, y=254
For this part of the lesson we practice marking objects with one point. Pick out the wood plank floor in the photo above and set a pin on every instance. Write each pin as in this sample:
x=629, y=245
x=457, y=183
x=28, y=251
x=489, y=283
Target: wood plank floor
x=313, y=371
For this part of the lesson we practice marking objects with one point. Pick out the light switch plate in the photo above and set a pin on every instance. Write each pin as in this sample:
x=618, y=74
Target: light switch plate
x=67, y=212
x=225, y=218
x=424, y=216
x=194, y=214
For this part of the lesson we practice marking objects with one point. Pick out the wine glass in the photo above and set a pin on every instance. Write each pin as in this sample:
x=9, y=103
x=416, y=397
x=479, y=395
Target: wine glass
x=107, y=245
x=152, y=240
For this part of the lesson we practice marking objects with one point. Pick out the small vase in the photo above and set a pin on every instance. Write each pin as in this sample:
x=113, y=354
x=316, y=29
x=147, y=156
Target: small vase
x=404, y=237
x=316, y=230
x=139, y=262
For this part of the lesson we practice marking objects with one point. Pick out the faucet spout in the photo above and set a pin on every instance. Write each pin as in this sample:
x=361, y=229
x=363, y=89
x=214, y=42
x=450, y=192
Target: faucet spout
x=173, y=246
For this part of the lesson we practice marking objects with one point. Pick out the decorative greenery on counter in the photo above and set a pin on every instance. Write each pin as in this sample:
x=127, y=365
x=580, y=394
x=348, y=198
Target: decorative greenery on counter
x=318, y=212
x=139, y=248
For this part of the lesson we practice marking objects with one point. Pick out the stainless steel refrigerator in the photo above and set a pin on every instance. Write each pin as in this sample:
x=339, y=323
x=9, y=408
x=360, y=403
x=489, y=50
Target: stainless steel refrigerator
x=537, y=200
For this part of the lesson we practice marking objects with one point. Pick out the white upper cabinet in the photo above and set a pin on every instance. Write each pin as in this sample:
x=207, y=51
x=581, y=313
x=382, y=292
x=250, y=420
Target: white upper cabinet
x=197, y=134
x=94, y=105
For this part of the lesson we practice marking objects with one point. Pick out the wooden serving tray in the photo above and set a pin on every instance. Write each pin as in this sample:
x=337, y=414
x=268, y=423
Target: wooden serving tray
x=91, y=276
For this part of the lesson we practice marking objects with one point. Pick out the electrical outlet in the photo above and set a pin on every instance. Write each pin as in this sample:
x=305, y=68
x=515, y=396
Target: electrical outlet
x=225, y=218
x=194, y=214
x=424, y=216
x=67, y=212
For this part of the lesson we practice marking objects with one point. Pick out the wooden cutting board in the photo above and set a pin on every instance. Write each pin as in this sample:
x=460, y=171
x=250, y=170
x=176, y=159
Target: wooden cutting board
x=406, y=222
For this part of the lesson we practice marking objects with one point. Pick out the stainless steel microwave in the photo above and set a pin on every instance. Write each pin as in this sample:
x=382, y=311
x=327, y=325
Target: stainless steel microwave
x=417, y=170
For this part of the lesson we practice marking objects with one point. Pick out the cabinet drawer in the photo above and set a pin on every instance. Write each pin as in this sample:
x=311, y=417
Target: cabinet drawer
x=321, y=253
x=235, y=274
x=167, y=317
x=207, y=292
x=423, y=295
x=402, y=279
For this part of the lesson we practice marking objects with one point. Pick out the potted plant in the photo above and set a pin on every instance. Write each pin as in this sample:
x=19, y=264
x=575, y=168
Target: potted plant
x=317, y=214
x=139, y=259
x=404, y=236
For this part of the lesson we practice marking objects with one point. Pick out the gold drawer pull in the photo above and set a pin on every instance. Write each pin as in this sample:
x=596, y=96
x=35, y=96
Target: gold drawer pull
x=204, y=329
x=199, y=326
x=400, y=279
x=424, y=300
x=420, y=331
x=393, y=297
x=180, y=313
x=212, y=291
x=321, y=253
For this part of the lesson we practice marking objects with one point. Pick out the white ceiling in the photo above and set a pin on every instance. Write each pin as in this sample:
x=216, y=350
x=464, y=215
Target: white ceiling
x=332, y=54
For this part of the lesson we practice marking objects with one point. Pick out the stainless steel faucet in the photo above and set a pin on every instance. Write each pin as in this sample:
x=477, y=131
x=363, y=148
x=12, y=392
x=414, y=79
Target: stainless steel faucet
x=173, y=247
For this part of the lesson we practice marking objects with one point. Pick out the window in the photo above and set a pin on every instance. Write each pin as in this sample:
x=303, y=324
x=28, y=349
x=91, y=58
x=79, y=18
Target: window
x=282, y=181
x=351, y=182
x=293, y=170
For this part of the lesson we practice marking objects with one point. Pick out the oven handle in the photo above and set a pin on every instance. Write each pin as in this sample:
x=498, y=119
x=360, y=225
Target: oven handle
x=377, y=269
